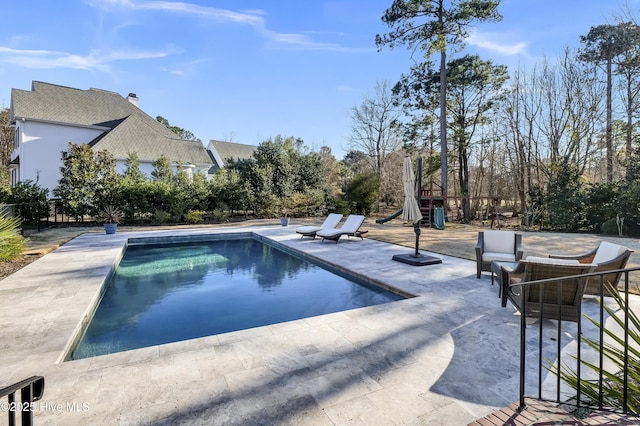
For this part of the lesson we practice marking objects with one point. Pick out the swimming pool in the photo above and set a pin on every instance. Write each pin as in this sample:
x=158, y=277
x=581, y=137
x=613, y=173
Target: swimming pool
x=166, y=292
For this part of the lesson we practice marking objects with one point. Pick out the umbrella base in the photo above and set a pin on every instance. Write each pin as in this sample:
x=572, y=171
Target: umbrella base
x=420, y=260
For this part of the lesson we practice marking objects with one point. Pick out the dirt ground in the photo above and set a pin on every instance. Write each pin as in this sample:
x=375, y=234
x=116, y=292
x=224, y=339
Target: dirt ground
x=455, y=240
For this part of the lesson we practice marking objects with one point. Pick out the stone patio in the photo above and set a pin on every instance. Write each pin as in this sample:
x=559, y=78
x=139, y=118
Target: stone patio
x=448, y=356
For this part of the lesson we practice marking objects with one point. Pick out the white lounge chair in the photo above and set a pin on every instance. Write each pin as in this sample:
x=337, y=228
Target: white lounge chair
x=350, y=227
x=330, y=222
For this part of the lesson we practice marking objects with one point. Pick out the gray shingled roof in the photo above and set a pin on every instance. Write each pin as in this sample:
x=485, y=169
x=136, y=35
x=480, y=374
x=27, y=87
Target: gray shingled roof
x=147, y=142
x=130, y=128
x=232, y=150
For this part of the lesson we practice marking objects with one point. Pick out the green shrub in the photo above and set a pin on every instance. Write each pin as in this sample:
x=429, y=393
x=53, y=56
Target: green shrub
x=5, y=193
x=562, y=199
x=342, y=206
x=363, y=192
x=269, y=206
x=311, y=203
x=601, y=204
x=194, y=216
x=627, y=207
x=12, y=244
x=133, y=199
x=161, y=217
x=30, y=200
x=609, y=227
x=219, y=215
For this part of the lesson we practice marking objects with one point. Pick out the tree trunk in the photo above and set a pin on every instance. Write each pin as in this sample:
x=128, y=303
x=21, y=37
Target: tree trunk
x=443, y=109
x=629, y=128
x=463, y=176
x=609, y=132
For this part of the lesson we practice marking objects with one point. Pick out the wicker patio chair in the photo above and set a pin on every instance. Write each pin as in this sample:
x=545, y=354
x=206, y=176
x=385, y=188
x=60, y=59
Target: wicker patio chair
x=606, y=257
x=558, y=299
x=503, y=246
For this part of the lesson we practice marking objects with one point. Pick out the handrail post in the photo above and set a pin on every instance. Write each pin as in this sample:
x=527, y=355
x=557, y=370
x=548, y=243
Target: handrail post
x=523, y=340
x=31, y=390
x=625, y=395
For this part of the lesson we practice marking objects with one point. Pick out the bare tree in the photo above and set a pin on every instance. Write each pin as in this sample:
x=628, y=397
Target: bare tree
x=6, y=137
x=518, y=113
x=373, y=130
x=552, y=115
x=570, y=110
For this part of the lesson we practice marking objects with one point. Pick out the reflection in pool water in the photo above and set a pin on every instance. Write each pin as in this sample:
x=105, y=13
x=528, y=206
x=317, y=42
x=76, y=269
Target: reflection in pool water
x=167, y=293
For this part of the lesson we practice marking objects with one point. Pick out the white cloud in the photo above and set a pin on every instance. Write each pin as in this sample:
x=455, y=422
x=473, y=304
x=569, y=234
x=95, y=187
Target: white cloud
x=96, y=60
x=254, y=18
x=498, y=43
x=100, y=59
x=344, y=88
x=183, y=70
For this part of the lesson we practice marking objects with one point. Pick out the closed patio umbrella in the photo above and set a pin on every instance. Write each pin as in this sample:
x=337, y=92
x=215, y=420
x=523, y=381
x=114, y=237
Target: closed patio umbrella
x=411, y=213
x=411, y=210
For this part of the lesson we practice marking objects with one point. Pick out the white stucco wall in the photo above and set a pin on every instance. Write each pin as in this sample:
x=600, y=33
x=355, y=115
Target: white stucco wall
x=41, y=146
x=147, y=168
x=40, y=149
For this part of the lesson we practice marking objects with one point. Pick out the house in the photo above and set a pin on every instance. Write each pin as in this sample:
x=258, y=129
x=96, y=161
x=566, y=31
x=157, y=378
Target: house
x=223, y=152
x=49, y=116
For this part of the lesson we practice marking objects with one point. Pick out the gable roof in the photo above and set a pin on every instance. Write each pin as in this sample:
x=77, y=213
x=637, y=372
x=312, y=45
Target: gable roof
x=135, y=134
x=225, y=151
x=127, y=127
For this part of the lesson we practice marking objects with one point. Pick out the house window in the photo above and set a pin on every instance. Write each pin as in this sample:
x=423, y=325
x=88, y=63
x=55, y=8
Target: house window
x=16, y=137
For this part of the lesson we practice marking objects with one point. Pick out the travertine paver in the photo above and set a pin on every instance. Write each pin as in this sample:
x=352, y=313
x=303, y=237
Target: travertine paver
x=448, y=356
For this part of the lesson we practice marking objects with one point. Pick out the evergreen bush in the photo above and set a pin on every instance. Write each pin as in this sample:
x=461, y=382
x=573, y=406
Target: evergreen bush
x=30, y=201
x=363, y=192
x=194, y=216
x=609, y=227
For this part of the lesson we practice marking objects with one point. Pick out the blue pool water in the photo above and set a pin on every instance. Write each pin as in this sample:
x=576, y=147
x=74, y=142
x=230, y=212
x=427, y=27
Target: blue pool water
x=173, y=292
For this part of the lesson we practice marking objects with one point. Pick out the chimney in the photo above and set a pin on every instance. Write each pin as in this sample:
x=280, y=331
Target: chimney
x=133, y=99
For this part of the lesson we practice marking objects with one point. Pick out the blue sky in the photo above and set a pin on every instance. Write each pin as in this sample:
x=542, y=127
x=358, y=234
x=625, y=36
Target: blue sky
x=246, y=71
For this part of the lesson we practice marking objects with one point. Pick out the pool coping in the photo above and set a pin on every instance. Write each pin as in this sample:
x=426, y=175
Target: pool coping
x=83, y=277
x=187, y=237
x=404, y=361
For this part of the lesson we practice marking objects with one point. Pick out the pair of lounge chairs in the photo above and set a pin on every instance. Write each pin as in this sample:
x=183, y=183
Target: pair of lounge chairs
x=329, y=229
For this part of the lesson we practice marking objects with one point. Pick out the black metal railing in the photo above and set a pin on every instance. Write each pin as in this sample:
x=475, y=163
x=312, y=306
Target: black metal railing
x=39, y=215
x=536, y=357
x=31, y=390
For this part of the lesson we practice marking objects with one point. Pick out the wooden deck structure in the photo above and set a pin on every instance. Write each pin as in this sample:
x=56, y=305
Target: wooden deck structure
x=548, y=413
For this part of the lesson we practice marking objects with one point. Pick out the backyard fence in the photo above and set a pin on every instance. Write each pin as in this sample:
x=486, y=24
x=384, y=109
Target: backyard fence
x=42, y=215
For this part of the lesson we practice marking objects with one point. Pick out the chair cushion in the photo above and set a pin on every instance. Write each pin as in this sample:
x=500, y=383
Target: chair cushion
x=352, y=223
x=552, y=261
x=607, y=251
x=308, y=229
x=500, y=257
x=499, y=242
